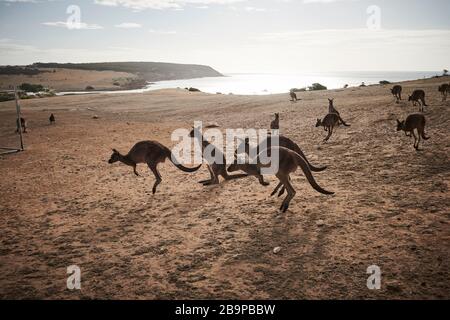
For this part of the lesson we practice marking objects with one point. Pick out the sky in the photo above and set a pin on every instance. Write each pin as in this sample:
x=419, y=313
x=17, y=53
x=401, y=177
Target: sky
x=232, y=36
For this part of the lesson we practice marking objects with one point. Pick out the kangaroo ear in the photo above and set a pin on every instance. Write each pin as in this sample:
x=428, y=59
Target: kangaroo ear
x=398, y=121
x=115, y=151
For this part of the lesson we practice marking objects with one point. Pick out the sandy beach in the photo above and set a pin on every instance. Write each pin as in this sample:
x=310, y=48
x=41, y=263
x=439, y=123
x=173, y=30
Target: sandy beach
x=62, y=204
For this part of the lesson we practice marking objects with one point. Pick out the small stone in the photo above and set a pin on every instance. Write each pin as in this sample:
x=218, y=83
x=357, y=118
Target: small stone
x=95, y=117
x=276, y=250
x=320, y=223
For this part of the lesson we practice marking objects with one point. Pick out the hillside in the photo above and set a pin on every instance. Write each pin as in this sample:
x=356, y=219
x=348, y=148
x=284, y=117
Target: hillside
x=150, y=71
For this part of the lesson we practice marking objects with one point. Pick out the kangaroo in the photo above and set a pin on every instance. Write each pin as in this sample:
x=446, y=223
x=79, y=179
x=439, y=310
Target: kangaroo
x=444, y=89
x=293, y=96
x=152, y=153
x=275, y=125
x=416, y=96
x=331, y=108
x=215, y=169
x=413, y=121
x=52, y=119
x=289, y=161
x=397, y=92
x=330, y=121
x=282, y=142
x=23, y=125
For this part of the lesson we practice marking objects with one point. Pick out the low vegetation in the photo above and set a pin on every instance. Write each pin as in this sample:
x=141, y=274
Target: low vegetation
x=316, y=87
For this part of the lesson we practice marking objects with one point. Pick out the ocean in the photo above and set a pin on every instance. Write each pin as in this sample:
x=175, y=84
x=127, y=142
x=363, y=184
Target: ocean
x=261, y=84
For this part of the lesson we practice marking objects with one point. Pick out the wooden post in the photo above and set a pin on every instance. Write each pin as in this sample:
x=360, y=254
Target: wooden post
x=19, y=123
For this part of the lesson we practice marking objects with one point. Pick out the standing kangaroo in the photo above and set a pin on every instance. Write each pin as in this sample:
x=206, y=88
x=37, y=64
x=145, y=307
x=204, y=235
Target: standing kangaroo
x=215, y=169
x=293, y=96
x=23, y=124
x=152, y=153
x=444, y=89
x=52, y=119
x=330, y=121
x=397, y=92
x=416, y=96
x=289, y=161
x=331, y=108
x=275, y=124
x=414, y=121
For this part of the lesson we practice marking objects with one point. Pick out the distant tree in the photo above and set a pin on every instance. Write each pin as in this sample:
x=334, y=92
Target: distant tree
x=384, y=82
x=445, y=72
x=28, y=87
x=317, y=86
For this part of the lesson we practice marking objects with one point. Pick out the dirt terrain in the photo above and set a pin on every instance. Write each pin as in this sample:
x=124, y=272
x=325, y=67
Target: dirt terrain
x=62, y=204
x=69, y=80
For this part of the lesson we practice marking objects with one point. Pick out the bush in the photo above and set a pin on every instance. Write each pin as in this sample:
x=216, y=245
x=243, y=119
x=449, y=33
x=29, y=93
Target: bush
x=194, y=90
x=28, y=87
x=5, y=96
x=384, y=82
x=90, y=88
x=317, y=86
x=297, y=90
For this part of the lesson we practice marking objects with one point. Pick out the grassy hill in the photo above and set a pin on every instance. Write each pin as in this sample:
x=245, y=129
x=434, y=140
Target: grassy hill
x=150, y=71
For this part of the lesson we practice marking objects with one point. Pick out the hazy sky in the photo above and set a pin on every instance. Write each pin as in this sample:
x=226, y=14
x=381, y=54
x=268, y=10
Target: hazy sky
x=233, y=35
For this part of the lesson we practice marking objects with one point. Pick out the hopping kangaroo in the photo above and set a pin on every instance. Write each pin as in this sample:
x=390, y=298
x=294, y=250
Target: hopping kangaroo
x=416, y=96
x=282, y=142
x=215, y=169
x=289, y=161
x=152, y=153
x=23, y=125
x=413, y=121
x=275, y=124
x=330, y=121
x=397, y=92
x=444, y=89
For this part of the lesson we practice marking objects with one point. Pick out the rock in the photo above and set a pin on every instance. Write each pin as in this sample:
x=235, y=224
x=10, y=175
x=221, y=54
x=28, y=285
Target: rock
x=276, y=250
x=95, y=117
x=320, y=223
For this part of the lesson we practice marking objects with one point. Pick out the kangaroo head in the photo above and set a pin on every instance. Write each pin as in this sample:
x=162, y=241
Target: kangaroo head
x=410, y=98
x=392, y=90
x=330, y=101
x=195, y=132
x=114, y=157
x=318, y=123
x=277, y=115
x=400, y=125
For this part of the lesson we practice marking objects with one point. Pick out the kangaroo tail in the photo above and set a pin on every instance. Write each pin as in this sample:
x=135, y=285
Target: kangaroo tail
x=180, y=166
x=304, y=165
x=343, y=122
x=313, y=168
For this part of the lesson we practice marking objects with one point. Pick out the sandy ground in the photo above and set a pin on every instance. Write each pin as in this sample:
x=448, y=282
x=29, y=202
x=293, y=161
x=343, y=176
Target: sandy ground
x=62, y=204
x=68, y=79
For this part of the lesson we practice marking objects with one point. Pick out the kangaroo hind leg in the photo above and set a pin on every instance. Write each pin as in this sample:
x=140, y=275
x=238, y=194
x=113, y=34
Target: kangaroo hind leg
x=157, y=176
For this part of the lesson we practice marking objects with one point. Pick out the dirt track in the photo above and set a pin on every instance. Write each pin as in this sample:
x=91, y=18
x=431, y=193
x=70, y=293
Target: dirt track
x=62, y=204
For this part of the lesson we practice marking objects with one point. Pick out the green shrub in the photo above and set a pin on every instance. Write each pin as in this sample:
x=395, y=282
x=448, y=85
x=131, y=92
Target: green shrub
x=384, y=82
x=317, y=86
x=28, y=87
